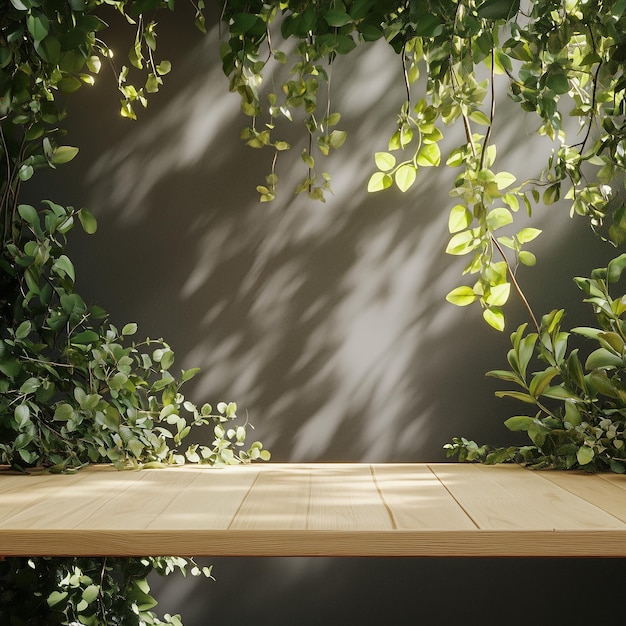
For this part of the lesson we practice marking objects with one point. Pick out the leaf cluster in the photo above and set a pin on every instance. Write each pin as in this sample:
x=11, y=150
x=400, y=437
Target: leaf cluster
x=47, y=591
x=555, y=60
x=75, y=388
x=579, y=403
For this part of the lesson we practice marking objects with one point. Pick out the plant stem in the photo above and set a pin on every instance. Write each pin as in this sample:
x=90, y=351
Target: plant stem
x=520, y=293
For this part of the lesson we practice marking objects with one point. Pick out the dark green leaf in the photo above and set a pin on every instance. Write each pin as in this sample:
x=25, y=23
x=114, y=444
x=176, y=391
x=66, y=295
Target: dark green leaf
x=498, y=9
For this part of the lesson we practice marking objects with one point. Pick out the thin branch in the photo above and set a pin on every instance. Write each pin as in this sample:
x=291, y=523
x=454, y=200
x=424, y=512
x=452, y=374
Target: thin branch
x=520, y=293
x=405, y=74
x=492, y=110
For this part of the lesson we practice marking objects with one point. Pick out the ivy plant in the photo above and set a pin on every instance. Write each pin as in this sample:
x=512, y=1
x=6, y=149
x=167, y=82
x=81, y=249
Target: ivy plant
x=556, y=59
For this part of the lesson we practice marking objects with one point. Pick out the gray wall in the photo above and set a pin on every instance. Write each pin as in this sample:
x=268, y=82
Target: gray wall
x=327, y=323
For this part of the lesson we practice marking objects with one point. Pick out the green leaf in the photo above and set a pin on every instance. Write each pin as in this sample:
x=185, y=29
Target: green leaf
x=28, y=214
x=495, y=318
x=572, y=414
x=56, y=597
x=504, y=180
x=499, y=217
x=460, y=218
x=527, y=234
x=90, y=593
x=337, y=138
x=498, y=9
x=519, y=422
x=379, y=181
x=63, y=154
x=22, y=414
x=23, y=330
x=585, y=455
x=129, y=329
x=602, y=358
x=30, y=385
x=461, y=296
x=63, y=413
x=337, y=18
x=462, y=243
x=384, y=161
x=189, y=374
x=429, y=155
x=87, y=221
x=64, y=267
x=518, y=395
x=558, y=82
x=69, y=84
x=527, y=258
x=164, y=67
x=498, y=294
x=615, y=268
x=405, y=176
x=85, y=337
x=541, y=380
x=38, y=25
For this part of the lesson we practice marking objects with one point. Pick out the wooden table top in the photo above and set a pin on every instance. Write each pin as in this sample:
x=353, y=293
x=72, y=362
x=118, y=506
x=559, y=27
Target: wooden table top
x=314, y=510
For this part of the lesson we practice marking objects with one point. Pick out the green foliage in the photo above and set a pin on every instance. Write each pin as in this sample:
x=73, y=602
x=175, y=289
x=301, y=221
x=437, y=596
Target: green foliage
x=557, y=60
x=76, y=389
x=578, y=403
x=87, y=591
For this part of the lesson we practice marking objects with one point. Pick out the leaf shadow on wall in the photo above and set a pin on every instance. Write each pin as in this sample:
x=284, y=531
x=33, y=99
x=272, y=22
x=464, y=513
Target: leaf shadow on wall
x=327, y=323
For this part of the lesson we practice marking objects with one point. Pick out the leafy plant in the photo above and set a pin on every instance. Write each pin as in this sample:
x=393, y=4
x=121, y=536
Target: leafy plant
x=86, y=591
x=75, y=389
x=579, y=403
x=556, y=59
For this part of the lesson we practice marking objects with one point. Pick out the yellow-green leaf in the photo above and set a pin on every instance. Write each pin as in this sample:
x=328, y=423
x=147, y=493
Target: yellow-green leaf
x=405, y=176
x=379, y=181
x=384, y=161
x=460, y=218
x=495, y=318
x=461, y=296
x=429, y=155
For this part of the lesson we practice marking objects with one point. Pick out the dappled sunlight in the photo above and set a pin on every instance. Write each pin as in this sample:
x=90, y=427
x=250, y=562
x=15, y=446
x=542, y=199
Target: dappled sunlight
x=325, y=322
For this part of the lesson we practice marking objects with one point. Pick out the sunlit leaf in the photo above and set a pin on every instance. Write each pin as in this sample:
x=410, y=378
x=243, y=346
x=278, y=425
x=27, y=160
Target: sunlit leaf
x=495, y=318
x=461, y=296
x=405, y=176
x=460, y=218
x=429, y=155
x=379, y=181
x=384, y=161
x=527, y=234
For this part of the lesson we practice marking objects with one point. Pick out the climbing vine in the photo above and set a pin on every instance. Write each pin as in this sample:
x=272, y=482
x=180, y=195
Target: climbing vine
x=557, y=59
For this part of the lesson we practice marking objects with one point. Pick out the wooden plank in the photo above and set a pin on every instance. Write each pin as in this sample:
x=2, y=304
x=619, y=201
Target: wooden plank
x=609, y=495
x=416, y=499
x=44, y=498
x=210, y=501
x=344, y=496
x=509, y=497
x=278, y=500
x=186, y=497
x=314, y=510
x=430, y=543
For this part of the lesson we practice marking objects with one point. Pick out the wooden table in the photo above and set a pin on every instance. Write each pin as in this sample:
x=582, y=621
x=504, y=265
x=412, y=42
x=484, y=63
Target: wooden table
x=314, y=510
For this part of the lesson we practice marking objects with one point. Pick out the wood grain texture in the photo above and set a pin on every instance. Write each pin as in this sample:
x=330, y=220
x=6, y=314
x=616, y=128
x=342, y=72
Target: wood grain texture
x=314, y=510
